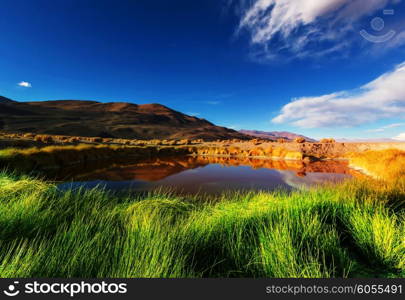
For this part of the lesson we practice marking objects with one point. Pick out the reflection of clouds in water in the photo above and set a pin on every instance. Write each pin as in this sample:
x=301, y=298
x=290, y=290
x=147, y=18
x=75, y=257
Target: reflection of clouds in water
x=310, y=180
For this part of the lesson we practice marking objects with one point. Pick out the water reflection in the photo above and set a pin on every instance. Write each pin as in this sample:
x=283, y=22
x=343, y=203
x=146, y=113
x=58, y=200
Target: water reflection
x=207, y=174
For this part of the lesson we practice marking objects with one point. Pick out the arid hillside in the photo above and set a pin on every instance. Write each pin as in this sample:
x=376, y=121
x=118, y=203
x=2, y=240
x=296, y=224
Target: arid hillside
x=117, y=120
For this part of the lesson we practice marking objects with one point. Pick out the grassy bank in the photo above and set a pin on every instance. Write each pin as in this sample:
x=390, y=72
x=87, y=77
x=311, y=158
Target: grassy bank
x=355, y=229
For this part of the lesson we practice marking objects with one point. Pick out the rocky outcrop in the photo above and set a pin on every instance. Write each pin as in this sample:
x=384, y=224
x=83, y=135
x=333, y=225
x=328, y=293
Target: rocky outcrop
x=291, y=151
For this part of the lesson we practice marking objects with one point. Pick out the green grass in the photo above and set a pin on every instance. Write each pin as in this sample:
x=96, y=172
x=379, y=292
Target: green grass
x=352, y=230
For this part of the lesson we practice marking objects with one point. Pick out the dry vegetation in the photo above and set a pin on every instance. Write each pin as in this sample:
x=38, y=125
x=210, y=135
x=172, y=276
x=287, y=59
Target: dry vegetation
x=327, y=141
x=385, y=164
x=247, y=150
x=67, y=140
x=299, y=140
x=298, y=149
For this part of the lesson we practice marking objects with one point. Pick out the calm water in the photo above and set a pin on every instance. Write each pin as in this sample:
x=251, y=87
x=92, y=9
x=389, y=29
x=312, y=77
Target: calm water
x=207, y=175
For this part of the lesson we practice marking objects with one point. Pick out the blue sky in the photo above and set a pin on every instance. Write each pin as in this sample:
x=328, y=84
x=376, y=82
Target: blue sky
x=300, y=66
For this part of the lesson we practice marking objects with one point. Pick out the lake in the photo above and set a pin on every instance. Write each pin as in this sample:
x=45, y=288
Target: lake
x=211, y=175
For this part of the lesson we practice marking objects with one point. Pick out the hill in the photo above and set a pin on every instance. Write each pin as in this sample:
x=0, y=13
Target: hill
x=274, y=135
x=115, y=119
x=5, y=100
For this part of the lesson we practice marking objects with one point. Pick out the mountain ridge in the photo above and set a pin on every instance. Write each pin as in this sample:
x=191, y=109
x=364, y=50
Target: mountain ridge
x=274, y=135
x=5, y=100
x=112, y=119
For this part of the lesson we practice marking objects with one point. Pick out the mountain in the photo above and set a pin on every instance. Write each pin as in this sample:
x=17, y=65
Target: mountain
x=274, y=135
x=116, y=119
x=5, y=100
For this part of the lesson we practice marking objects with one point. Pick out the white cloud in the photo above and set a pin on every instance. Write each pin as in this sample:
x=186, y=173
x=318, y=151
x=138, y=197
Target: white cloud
x=376, y=130
x=395, y=125
x=379, y=99
x=25, y=84
x=390, y=126
x=400, y=137
x=297, y=25
x=397, y=41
